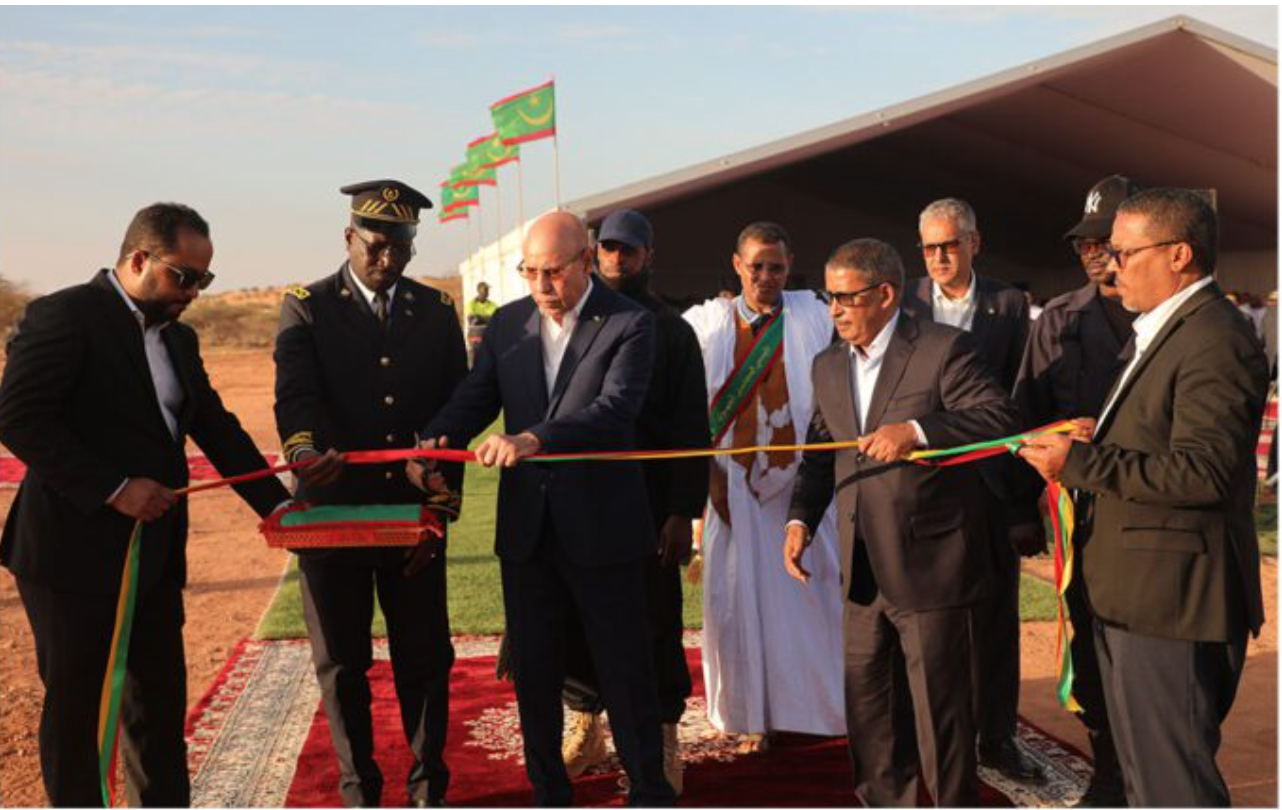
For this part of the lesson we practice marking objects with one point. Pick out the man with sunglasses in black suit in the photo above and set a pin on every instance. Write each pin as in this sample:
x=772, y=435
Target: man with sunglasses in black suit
x=363, y=358
x=102, y=389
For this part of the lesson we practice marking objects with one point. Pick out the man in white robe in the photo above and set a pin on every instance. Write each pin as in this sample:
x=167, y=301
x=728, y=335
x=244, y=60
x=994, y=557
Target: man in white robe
x=772, y=648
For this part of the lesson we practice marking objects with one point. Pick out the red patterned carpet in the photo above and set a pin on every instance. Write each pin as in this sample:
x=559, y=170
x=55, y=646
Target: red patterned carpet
x=260, y=738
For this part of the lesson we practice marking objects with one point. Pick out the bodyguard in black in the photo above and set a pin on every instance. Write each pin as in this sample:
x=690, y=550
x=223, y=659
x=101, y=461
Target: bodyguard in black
x=1075, y=352
x=364, y=357
x=674, y=416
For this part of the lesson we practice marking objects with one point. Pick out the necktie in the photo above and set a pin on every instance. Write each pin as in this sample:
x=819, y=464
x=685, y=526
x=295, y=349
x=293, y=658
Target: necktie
x=380, y=307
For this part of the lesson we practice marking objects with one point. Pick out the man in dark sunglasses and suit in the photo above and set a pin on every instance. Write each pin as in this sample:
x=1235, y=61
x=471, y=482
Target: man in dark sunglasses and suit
x=102, y=389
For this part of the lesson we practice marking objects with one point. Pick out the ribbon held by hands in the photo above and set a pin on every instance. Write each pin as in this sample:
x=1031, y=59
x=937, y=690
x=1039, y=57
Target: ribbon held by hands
x=113, y=682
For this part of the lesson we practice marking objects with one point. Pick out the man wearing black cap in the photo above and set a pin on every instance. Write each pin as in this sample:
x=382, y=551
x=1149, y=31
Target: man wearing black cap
x=363, y=357
x=1074, y=354
x=674, y=416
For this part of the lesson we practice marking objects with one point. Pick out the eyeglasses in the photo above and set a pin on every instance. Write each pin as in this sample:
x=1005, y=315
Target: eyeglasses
x=188, y=279
x=950, y=247
x=1124, y=255
x=1087, y=247
x=394, y=250
x=845, y=299
x=553, y=273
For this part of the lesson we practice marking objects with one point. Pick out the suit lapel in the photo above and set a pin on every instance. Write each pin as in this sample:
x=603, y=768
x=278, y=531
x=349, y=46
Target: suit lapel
x=585, y=331
x=121, y=322
x=355, y=309
x=985, y=313
x=405, y=314
x=1169, y=328
x=184, y=368
x=844, y=377
x=893, y=366
x=528, y=358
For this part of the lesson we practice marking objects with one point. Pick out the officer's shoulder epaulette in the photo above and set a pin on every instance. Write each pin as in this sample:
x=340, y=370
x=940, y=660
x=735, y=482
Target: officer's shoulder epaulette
x=446, y=299
x=298, y=291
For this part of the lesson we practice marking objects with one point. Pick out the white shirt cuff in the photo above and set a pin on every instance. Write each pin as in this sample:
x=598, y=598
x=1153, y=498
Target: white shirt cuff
x=117, y=491
x=921, y=434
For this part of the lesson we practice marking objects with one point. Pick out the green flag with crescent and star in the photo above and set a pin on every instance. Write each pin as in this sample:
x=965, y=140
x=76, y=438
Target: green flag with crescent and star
x=491, y=152
x=471, y=173
x=526, y=116
x=458, y=196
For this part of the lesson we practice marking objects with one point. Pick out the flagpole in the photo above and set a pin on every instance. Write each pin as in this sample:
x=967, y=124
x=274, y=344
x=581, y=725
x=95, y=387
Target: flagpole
x=556, y=158
x=498, y=214
x=520, y=197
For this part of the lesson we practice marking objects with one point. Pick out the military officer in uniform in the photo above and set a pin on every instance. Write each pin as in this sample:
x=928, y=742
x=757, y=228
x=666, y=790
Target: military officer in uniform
x=363, y=357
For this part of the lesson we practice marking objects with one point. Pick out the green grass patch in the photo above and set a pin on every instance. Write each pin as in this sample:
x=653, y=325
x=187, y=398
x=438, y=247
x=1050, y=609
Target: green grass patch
x=1036, y=599
x=1266, y=526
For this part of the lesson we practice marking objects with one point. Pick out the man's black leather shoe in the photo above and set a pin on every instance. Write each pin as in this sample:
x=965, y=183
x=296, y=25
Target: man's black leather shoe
x=1006, y=758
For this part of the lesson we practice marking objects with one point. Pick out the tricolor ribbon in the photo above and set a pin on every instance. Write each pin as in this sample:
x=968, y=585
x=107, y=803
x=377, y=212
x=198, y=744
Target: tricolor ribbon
x=1061, y=526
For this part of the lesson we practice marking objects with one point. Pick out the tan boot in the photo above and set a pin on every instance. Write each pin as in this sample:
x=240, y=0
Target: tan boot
x=585, y=745
x=673, y=767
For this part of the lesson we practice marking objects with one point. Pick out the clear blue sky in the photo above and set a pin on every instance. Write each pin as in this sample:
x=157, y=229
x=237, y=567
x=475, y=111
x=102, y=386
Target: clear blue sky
x=257, y=116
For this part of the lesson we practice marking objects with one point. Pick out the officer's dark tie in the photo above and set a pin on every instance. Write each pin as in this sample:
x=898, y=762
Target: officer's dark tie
x=380, y=307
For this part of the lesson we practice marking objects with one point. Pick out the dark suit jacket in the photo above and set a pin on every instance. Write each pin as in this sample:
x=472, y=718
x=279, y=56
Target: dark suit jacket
x=1173, y=552
x=78, y=405
x=926, y=542
x=599, y=510
x=1000, y=328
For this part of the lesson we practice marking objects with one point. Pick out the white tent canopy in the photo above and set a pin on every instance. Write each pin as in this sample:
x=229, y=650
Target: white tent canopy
x=1174, y=103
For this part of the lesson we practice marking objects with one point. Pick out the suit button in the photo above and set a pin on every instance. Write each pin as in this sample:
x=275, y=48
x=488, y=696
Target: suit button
x=388, y=475
x=409, y=313
x=384, y=361
x=389, y=400
x=391, y=437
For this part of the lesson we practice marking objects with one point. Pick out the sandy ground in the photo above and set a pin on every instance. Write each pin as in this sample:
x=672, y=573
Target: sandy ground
x=233, y=576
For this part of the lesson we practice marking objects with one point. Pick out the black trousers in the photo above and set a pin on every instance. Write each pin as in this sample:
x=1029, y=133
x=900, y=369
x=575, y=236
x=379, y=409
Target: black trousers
x=538, y=596
x=73, y=638
x=997, y=618
x=929, y=655
x=582, y=690
x=1166, y=700
x=1087, y=687
x=338, y=605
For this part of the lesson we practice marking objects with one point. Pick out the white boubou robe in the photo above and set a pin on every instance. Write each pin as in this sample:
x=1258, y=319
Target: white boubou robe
x=772, y=647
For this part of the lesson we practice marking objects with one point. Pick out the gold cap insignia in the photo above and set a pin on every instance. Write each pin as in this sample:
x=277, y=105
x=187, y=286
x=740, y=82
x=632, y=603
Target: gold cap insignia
x=390, y=194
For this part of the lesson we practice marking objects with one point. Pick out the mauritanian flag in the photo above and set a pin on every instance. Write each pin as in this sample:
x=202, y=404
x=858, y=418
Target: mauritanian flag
x=526, y=116
x=471, y=173
x=491, y=152
x=455, y=196
x=449, y=216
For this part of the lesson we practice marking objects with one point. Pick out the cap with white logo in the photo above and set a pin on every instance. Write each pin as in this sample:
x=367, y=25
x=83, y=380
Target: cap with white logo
x=1101, y=206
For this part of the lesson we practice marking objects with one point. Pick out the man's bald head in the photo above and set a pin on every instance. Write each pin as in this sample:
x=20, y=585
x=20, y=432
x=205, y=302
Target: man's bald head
x=556, y=263
x=556, y=232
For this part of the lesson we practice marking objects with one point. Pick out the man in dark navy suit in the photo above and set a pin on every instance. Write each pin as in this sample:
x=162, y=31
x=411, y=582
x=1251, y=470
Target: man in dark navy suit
x=569, y=368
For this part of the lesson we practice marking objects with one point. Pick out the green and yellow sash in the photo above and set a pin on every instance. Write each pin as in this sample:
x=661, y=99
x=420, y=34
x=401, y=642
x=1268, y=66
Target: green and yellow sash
x=746, y=376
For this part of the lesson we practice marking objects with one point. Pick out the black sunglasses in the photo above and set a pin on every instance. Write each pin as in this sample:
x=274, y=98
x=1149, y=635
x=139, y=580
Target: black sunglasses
x=188, y=279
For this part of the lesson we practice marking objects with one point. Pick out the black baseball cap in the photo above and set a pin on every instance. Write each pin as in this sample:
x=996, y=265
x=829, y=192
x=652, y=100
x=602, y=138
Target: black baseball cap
x=1101, y=207
x=629, y=227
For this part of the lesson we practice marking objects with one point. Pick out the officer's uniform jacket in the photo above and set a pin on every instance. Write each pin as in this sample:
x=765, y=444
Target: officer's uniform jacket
x=345, y=382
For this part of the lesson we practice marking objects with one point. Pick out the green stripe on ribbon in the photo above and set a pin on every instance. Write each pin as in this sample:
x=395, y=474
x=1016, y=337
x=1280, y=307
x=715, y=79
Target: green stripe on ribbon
x=118, y=656
x=369, y=513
